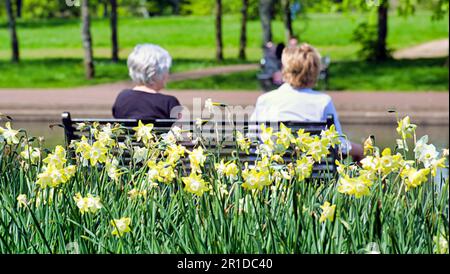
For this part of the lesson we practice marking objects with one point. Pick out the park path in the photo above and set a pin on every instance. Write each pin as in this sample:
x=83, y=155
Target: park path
x=353, y=107
x=437, y=48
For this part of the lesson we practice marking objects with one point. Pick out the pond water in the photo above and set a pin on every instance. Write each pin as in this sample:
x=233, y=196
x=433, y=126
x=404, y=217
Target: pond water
x=385, y=135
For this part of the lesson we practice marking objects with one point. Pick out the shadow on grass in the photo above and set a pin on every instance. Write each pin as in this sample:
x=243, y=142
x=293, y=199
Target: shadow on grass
x=69, y=72
x=393, y=75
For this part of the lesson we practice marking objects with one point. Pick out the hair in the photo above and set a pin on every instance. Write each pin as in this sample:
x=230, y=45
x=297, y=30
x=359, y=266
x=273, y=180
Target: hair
x=301, y=66
x=148, y=63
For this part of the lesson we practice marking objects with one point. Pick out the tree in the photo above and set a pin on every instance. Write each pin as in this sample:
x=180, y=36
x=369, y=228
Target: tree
x=114, y=36
x=13, y=33
x=87, y=40
x=265, y=13
x=243, y=37
x=219, y=40
x=287, y=18
x=381, y=52
x=19, y=8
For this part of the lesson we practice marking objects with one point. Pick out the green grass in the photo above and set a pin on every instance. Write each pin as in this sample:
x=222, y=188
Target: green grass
x=401, y=75
x=69, y=72
x=54, y=46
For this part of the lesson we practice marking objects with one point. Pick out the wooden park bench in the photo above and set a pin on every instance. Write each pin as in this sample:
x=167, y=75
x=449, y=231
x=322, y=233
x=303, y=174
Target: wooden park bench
x=217, y=135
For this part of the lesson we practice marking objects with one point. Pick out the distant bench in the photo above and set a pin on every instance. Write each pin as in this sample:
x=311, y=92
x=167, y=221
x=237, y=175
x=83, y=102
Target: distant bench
x=217, y=135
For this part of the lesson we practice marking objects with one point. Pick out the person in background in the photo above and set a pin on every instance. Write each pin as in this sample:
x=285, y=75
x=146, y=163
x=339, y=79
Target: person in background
x=296, y=100
x=148, y=67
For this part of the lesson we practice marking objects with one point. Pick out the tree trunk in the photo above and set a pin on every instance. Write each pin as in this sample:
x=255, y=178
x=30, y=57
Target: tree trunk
x=243, y=38
x=114, y=37
x=219, y=41
x=381, y=48
x=105, y=9
x=87, y=40
x=12, y=30
x=19, y=8
x=287, y=16
x=265, y=13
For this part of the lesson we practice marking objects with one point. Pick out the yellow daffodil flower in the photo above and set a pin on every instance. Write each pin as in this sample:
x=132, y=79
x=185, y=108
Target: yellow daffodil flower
x=303, y=168
x=303, y=140
x=243, y=143
x=368, y=146
x=144, y=132
x=327, y=212
x=318, y=149
x=195, y=184
x=197, y=159
x=31, y=154
x=120, y=226
x=405, y=128
x=9, y=134
x=57, y=158
x=413, y=178
x=22, y=200
x=331, y=135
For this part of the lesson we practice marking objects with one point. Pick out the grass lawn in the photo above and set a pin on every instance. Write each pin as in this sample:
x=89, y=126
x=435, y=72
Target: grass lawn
x=402, y=75
x=51, y=50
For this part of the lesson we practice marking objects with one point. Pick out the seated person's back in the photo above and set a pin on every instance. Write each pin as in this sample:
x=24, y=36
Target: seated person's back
x=148, y=67
x=295, y=100
x=136, y=104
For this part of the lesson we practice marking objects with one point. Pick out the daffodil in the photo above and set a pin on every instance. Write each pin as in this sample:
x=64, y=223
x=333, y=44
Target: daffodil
x=413, y=178
x=166, y=173
x=284, y=136
x=140, y=154
x=318, y=149
x=174, y=153
x=33, y=154
x=97, y=153
x=220, y=167
x=57, y=158
x=405, y=129
x=9, y=134
x=144, y=132
x=209, y=105
x=120, y=226
x=242, y=142
x=328, y=211
x=256, y=179
x=303, y=140
x=357, y=187
x=266, y=135
x=52, y=176
x=368, y=146
x=112, y=169
x=197, y=159
x=136, y=193
x=389, y=163
x=331, y=135
x=195, y=184
x=22, y=200
x=303, y=168
x=231, y=171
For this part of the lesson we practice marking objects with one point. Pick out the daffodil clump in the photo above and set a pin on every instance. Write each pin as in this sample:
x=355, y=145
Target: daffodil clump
x=153, y=193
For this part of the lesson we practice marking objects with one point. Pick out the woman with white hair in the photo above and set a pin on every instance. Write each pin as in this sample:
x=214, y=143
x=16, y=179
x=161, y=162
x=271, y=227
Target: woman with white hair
x=148, y=67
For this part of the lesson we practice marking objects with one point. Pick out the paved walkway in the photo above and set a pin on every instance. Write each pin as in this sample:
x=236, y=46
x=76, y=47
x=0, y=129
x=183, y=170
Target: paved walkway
x=432, y=49
x=96, y=101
